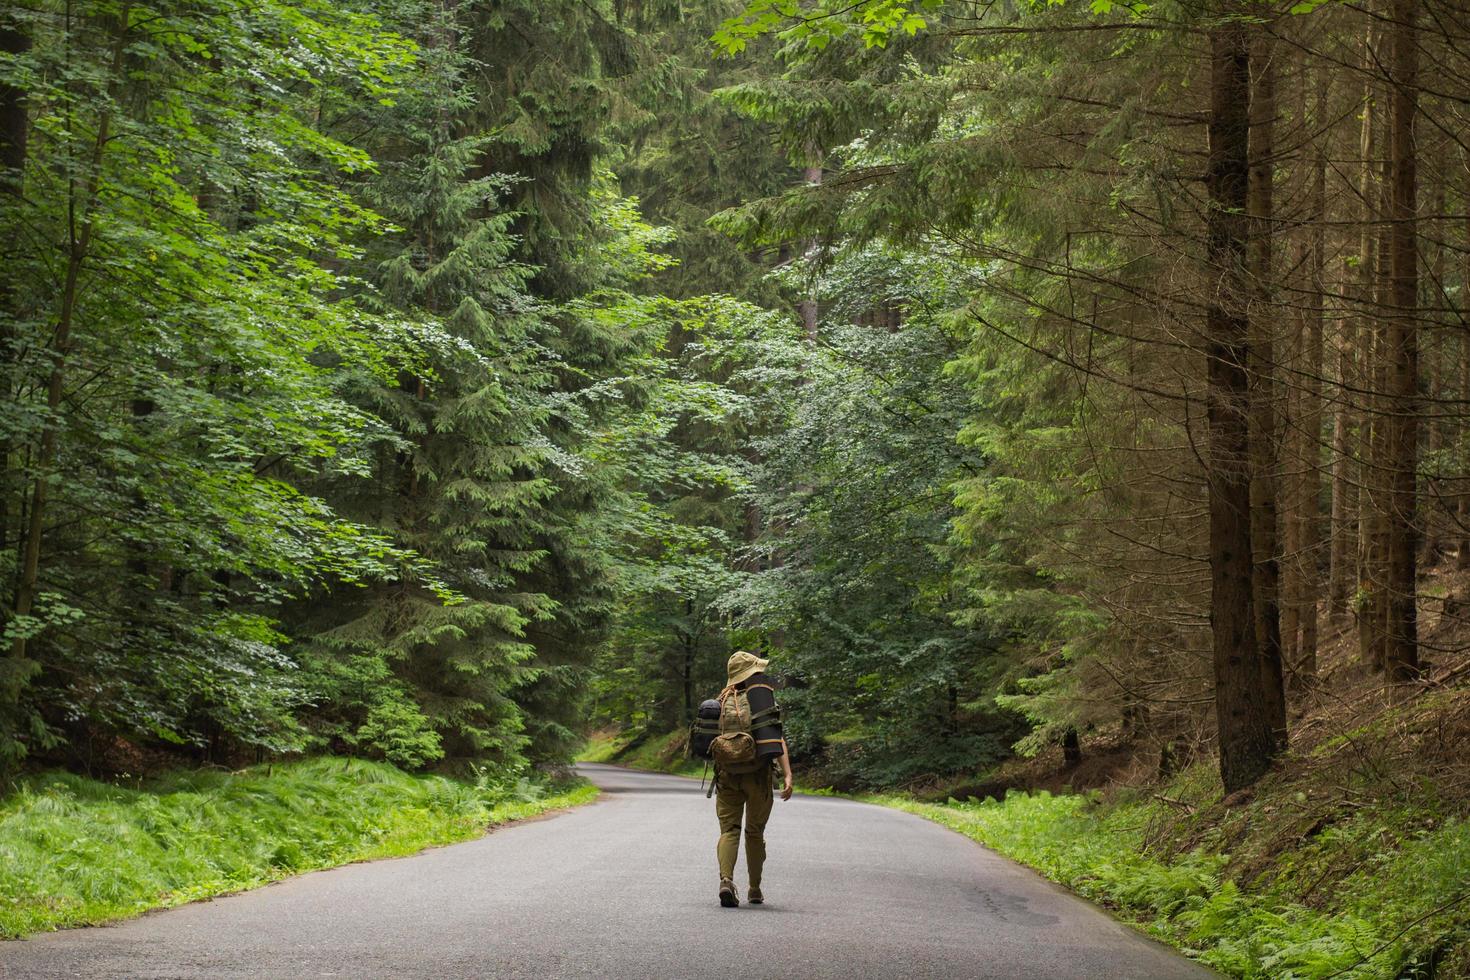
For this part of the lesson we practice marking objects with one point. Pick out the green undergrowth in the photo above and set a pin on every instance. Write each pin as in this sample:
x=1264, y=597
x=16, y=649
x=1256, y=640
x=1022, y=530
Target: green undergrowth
x=1400, y=914
x=639, y=750
x=74, y=851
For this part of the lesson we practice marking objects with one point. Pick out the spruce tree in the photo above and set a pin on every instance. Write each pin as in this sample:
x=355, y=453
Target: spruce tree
x=420, y=669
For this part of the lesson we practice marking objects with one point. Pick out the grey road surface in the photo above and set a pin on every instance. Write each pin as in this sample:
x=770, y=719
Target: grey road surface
x=626, y=888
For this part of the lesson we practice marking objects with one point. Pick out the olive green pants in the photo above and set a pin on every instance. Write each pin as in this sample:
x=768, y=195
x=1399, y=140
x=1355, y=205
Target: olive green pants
x=749, y=796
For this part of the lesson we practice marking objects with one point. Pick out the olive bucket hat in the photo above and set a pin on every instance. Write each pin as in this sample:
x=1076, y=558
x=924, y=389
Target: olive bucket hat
x=743, y=665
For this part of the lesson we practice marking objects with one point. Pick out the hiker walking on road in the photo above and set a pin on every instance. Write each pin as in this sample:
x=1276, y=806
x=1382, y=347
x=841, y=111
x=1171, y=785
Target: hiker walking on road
x=746, y=746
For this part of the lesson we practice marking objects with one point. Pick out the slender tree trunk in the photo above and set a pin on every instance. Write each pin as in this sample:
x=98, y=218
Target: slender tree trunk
x=1462, y=506
x=1293, y=455
x=1402, y=639
x=1352, y=501
x=1264, y=428
x=1378, y=460
x=1432, y=523
x=1343, y=547
x=1431, y=369
x=1247, y=738
x=1369, y=605
x=1300, y=583
x=1308, y=505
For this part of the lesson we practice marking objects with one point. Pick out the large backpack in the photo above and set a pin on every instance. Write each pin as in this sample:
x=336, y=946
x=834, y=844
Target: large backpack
x=733, y=749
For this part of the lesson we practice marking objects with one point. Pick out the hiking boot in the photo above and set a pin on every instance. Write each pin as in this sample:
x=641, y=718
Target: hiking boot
x=754, y=896
x=728, y=898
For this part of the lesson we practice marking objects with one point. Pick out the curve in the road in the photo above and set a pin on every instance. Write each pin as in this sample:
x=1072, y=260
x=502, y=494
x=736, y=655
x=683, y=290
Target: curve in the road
x=626, y=888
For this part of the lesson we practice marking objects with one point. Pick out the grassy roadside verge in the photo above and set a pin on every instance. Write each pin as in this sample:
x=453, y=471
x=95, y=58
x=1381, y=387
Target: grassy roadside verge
x=1380, y=892
x=75, y=851
x=1395, y=917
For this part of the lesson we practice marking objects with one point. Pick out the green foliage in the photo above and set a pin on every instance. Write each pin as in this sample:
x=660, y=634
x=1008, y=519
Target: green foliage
x=682, y=163
x=74, y=851
x=856, y=575
x=953, y=163
x=344, y=440
x=404, y=735
x=548, y=119
x=1372, y=926
x=682, y=525
x=461, y=479
x=816, y=25
x=163, y=213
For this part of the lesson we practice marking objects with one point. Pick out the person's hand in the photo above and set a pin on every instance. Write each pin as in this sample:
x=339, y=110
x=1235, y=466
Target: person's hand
x=786, y=789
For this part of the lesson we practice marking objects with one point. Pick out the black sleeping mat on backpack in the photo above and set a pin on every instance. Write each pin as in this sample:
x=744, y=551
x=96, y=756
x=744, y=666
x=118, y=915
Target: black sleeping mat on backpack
x=762, y=697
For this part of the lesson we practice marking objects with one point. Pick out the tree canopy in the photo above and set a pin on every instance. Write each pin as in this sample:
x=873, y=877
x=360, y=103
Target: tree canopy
x=433, y=382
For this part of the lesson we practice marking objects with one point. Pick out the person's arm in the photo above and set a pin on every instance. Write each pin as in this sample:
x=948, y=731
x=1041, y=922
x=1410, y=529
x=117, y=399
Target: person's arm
x=785, y=771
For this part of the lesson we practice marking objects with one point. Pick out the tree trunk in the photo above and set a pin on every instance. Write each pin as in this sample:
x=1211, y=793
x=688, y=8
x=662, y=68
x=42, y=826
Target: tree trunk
x=1352, y=426
x=1308, y=503
x=1401, y=646
x=1431, y=370
x=1247, y=740
x=1432, y=539
x=1369, y=601
x=1341, y=555
x=1071, y=749
x=1462, y=506
x=1377, y=457
x=1264, y=434
x=1293, y=458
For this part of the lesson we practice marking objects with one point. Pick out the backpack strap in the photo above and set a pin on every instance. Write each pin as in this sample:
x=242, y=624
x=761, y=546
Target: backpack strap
x=767, y=716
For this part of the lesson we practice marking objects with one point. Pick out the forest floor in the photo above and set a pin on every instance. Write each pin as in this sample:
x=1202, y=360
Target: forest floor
x=77, y=851
x=1351, y=858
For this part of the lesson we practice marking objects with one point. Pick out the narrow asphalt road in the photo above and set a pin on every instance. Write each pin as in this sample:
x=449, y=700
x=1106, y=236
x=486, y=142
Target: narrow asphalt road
x=626, y=888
